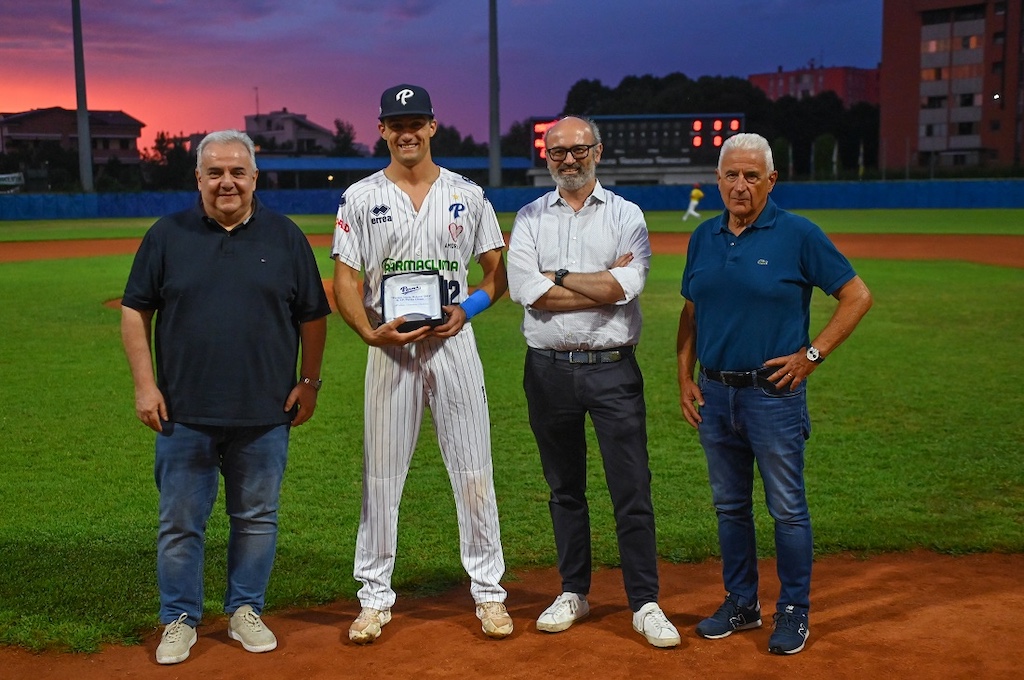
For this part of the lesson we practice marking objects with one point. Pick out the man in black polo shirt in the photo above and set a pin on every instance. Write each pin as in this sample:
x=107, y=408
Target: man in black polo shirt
x=235, y=291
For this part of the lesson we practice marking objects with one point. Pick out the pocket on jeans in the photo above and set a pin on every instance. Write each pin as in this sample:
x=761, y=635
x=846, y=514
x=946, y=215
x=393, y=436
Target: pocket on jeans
x=784, y=392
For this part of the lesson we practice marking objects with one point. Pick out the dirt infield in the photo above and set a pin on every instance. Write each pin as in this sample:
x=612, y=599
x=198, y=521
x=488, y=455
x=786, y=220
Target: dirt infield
x=1007, y=251
x=917, y=614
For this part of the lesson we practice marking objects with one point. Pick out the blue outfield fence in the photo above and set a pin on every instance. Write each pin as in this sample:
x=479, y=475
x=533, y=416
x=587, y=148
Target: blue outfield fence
x=1008, y=193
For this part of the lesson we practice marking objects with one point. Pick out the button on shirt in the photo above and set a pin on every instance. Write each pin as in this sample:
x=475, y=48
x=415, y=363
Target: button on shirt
x=549, y=235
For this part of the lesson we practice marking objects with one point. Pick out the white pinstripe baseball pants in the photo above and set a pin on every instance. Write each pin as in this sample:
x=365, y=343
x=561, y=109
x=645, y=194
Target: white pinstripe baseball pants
x=447, y=376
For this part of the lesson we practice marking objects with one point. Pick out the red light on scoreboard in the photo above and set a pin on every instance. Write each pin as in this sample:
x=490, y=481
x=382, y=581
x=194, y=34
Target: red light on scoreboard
x=540, y=128
x=698, y=125
x=697, y=141
x=734, y=125
x=717, y=141
x=717, y=125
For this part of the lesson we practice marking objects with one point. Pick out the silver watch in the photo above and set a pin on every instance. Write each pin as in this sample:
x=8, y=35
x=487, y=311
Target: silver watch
x=813, y=355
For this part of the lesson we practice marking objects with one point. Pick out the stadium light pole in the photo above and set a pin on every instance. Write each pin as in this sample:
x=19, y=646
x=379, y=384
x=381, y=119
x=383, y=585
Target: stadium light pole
x=84, y=136
x=495, y=138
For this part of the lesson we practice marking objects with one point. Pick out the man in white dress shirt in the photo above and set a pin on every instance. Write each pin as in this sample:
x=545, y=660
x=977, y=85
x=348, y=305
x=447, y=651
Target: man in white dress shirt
x=578, y=260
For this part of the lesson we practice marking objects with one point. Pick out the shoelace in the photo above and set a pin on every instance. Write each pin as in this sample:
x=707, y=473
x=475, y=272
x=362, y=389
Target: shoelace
x=790, y=623
x=567, y=603
x=176, y=629
x=658, y=618
x=253, y=621
x=493, y=609
x=366, y=614
x=728, y=610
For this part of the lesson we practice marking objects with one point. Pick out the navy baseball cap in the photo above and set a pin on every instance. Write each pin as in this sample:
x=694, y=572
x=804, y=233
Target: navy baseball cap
x=405, y=100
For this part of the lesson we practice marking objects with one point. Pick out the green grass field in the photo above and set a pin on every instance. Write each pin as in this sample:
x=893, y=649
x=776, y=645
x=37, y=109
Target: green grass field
x=977, y=221
x=917, y=443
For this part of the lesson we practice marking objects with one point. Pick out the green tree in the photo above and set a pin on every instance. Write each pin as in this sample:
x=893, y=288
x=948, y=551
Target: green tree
x=169, y=166
x=344, y=139
x=518, y=140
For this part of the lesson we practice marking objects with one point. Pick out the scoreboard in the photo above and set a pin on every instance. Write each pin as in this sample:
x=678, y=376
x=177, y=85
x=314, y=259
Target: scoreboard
x=654, y=140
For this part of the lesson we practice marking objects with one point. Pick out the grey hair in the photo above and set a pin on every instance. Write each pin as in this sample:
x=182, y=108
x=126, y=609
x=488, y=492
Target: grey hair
x=749, y=141
x=227, y=137
x=590, y=123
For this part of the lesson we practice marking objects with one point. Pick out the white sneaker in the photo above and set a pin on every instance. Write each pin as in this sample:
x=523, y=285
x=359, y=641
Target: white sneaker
x=247, y=627
x=563, y=612
x=176, y=641
x=366, y=628
x=652, y=623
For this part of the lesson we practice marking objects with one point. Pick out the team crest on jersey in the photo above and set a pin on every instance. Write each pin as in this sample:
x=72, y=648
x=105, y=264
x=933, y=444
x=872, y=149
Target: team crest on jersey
x=455, y=230
x=342, y=201
x=456, y=209
x=380, y=214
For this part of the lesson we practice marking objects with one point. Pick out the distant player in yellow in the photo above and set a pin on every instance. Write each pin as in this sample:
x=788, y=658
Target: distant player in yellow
x=695, y=195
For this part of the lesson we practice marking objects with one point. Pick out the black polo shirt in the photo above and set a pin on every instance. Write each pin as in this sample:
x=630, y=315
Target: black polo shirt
x=228, y=307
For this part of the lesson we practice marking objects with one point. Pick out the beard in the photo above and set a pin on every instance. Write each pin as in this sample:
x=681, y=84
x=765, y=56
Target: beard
x=583, y=176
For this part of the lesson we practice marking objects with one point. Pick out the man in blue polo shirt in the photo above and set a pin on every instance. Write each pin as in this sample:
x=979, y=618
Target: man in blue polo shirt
x=235, y=291
x=747, y=286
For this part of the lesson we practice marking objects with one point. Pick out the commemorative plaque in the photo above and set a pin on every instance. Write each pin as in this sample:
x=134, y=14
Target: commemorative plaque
x=415, y=296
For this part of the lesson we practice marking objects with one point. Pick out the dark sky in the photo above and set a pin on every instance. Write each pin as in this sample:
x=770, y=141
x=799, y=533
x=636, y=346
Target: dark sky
x=183, y=66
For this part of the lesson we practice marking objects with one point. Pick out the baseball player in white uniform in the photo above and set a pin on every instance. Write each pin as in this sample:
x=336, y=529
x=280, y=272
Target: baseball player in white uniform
x=411, y=217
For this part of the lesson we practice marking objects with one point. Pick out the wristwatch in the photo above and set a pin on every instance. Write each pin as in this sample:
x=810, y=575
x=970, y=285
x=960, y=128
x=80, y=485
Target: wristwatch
x=315, y=384
x=559, y=275
x=814, y=355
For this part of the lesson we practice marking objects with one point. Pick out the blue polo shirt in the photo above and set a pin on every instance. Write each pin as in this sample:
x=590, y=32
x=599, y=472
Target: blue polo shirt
x=228, y=307
x=751, y=293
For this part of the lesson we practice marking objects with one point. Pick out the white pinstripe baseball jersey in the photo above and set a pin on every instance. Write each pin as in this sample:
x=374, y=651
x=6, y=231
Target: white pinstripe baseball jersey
x=377, y=229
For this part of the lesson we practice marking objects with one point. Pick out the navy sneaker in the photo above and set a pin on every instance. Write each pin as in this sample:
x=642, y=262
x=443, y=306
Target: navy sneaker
x=790, y=632
x=730, y=618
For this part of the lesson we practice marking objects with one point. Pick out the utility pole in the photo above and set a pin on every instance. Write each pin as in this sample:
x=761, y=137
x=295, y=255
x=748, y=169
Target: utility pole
x=84, y=136
x=495, y=138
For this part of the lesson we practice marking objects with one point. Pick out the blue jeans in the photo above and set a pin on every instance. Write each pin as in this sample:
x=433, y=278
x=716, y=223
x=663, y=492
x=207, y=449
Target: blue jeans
x=742, y=425
x=189, y=461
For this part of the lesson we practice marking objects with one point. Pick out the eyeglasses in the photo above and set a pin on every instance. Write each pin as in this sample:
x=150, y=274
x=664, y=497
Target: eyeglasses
x=578, y=152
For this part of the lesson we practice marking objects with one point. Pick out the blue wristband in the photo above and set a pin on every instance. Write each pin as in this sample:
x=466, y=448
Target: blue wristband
x=476, y=303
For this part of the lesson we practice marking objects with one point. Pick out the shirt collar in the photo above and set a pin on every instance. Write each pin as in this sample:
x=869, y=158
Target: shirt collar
x=209, y=221
x=599, y=195
x=765, y=220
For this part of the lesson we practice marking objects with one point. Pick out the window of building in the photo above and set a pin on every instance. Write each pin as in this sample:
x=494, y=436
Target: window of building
x=967, y=128
x=970, y=99
x=994, y=125
x=1000, y=8
x=937, y=102
x=997, y=68
x=999, y=38
x=932, y=74
x=969, y=13
x=936, y=16
x=962, y=71
x=970, y=42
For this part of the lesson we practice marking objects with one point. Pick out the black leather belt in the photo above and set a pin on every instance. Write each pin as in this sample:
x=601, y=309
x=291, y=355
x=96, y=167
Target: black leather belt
x=758, y=378
x=588, y=356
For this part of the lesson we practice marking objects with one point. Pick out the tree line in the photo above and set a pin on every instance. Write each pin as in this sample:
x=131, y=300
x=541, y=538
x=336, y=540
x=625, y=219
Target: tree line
x=803, y=133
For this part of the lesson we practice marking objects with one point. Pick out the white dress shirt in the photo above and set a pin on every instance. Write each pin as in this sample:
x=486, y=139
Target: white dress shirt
x=549, y=235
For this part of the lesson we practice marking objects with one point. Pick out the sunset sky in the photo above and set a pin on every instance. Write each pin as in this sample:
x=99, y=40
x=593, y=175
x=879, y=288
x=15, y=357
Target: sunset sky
x=183, y=66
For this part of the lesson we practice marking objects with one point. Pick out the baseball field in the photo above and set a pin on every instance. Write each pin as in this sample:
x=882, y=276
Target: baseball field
x=915, y=479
